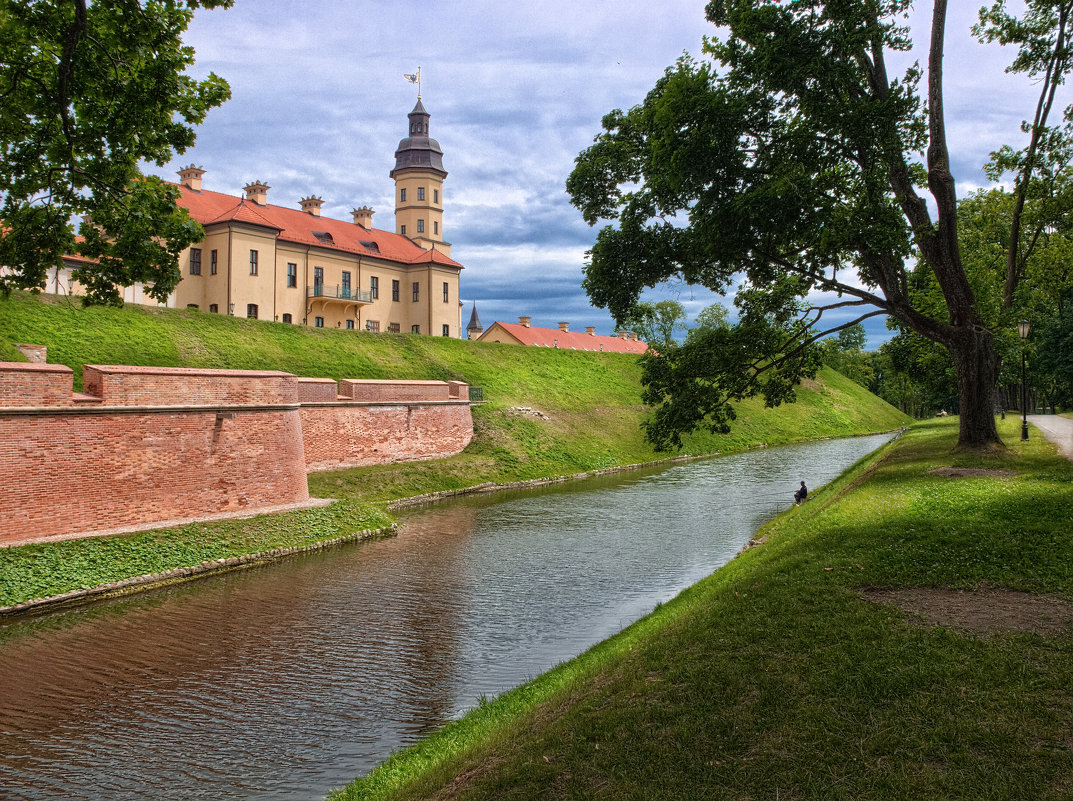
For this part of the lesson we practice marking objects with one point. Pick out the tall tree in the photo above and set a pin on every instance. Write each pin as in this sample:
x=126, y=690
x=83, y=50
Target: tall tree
x=88, y=91
x=656, y=323
x=800, y=163
x=710, y=318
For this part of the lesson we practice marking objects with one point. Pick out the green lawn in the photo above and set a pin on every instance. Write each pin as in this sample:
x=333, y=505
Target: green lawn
x=776, y=678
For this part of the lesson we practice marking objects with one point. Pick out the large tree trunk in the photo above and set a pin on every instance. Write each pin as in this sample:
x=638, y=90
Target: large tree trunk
x=976, y=364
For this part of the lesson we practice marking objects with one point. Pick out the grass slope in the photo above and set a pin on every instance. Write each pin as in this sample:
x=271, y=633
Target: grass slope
x=591, y=401
x=775, y=678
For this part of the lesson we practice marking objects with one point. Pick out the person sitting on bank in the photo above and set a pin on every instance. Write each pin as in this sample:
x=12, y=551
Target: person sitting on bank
x=801, y=494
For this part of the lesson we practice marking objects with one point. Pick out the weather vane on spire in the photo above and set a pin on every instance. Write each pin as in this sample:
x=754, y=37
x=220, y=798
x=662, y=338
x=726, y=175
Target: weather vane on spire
x=415, y=78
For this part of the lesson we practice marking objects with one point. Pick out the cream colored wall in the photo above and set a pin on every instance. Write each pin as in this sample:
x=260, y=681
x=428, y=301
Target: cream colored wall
x=246, y=288
x=205, y=289
x=409, y=212
x=383, y=309
x=444, y=313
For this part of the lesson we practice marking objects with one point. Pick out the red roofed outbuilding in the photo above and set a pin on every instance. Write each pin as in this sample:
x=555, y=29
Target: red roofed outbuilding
x=523, y=333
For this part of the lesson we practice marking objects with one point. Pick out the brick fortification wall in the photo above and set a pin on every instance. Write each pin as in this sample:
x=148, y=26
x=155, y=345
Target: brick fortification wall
x=354, y=434
x=144, y=449
x=155, y=444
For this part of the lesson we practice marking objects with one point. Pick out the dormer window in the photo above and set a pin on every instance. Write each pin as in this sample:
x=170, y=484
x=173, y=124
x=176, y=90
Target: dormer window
x=324, y=237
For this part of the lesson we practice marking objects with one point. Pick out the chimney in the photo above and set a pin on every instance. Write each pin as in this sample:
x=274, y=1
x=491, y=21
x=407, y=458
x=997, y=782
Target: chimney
x=525, y=321
x=363, y=217
x=257, y=192
x=190, y=177
x=564, y=327
x=621, y=334
x=311, y=204
x=590, y=330
x=635, y=337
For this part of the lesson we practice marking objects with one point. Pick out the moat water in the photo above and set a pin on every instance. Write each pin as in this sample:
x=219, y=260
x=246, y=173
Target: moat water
x=289, y=680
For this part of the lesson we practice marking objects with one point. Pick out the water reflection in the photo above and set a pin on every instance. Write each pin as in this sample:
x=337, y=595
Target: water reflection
x=285, y=681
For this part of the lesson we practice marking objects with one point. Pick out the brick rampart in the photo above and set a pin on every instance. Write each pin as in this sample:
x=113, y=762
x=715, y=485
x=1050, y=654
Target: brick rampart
x=372, y=390
x=150, y=444
x=70, y=473
x=317, y=390
x=27, y=384
x=354, y=434
x=121, y=385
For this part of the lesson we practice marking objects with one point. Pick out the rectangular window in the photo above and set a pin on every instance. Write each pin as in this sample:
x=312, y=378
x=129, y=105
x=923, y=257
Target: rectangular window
x=318, y=280
x=373, y=325
x=251, y=311
x=417, y=291
x=374, y=287
x=420, y=193
x=394, y=290
x=212, y=262
x=415, y=329
x=253, y=262
x=435, y=195
x=350, y=325
x=195, y=261
x=318, y=322
x=292, y=274
x=446, y=330
x=435, y=226
x=402, y=230
x=393, y=328
x=446, y=292
x=345, y=290
x=287, y=318
x=420, y=226
x=402, y=196
x=214, y=308
x=191, y=305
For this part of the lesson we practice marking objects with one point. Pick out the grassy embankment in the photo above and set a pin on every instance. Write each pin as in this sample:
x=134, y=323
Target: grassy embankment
x=591, y=400
x=776, y=677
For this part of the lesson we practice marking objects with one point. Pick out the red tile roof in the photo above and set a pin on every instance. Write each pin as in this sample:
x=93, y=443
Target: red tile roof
x=295, y=225
x=569, y=340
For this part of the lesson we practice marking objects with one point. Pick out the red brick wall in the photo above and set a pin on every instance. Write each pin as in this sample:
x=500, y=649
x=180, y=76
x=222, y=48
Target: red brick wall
x=373, y=390
x=317, y=390
x=346, y=435
x=66, y=471
x=74, y=473
x=25, y=384
x=121, y=385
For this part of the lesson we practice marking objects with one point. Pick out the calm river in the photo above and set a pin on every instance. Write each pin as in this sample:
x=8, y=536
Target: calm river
x=286, y=681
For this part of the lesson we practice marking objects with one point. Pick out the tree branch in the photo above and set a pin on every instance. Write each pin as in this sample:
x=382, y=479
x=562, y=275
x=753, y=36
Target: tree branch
x=1056, y=65
x=66, y=73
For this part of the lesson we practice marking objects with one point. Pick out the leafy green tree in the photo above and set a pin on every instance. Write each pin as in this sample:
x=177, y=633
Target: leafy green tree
x=710, y=318
x=90, y=90
x=845, y=354
x=800, y=164
x=655, y=323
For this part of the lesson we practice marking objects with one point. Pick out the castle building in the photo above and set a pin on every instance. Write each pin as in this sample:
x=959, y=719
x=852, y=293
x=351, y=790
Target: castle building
x=292, y=265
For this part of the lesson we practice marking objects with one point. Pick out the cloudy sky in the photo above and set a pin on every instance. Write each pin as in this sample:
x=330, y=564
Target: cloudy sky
x=515, y=91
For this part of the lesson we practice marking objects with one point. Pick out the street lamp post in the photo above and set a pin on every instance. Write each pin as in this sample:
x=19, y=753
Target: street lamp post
x=1022, y=331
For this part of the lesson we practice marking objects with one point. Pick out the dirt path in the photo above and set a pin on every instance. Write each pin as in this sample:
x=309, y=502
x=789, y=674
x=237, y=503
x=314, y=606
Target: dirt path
x=1058, y=430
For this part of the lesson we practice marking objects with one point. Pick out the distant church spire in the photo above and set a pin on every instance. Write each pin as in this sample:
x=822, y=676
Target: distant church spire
x=474, y=329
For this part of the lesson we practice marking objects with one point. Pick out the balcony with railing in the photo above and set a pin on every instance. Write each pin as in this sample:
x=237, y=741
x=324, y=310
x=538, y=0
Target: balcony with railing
x=330, y=292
